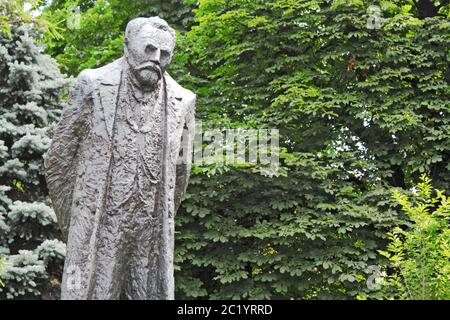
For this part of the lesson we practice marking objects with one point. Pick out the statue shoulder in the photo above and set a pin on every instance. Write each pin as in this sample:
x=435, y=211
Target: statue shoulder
x=84, y=84
x=186, y=95
x=190, y=97
x=109, y=74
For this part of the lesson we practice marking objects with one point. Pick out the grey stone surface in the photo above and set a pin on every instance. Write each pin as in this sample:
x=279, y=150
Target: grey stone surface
x=115, y=172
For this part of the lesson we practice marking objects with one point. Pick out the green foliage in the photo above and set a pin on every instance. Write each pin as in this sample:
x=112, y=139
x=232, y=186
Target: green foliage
x=420, y=255
x=14, y=13
x=97, y=36
x=31, y=86
x=242, y=235
x=360, y=110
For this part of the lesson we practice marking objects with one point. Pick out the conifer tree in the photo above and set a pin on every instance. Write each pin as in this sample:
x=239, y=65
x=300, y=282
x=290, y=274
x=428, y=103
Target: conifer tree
x=30, y=88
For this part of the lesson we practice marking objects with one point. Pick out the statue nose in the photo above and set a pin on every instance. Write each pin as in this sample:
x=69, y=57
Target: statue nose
x=154, y=54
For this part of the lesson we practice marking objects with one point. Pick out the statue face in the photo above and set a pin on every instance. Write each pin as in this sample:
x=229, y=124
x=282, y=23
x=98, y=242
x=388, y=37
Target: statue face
x=149, y=53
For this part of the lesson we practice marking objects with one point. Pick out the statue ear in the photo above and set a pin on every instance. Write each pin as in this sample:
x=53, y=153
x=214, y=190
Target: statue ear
x=126, y=42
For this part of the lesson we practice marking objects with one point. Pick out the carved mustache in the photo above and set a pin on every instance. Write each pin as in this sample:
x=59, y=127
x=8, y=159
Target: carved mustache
x=152, y=66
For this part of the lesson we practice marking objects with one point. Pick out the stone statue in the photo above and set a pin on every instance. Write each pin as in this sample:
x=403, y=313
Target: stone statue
x=118, y=167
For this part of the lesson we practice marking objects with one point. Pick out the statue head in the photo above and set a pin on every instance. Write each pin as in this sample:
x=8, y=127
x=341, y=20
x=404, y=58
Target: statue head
x=149, y=46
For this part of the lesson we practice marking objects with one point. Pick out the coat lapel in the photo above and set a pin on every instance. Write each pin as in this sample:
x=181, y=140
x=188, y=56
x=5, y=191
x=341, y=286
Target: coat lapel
x=174, y=106
x=108, y=92
x=108, y=101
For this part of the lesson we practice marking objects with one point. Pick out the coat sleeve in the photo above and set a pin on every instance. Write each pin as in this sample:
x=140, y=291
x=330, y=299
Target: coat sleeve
x=61, y=162
x=185, y=159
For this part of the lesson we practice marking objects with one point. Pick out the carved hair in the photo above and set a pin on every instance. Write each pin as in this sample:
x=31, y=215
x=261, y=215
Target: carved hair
x=135, y=25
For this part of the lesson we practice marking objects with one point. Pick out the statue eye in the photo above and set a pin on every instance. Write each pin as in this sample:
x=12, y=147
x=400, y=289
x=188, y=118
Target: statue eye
x=165, y=54
x=150, y=48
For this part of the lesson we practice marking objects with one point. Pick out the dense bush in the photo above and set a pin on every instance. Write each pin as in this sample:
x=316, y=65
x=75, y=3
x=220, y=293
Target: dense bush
x=420, y=254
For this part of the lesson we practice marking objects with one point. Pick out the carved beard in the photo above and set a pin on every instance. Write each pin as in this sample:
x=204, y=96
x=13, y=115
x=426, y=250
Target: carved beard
x=147, y=75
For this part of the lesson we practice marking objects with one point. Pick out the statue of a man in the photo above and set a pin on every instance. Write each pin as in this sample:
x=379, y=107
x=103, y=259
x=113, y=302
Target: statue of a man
x=117, y=168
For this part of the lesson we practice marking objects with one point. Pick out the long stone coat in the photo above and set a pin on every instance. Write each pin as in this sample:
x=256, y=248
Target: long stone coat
x=78, y=166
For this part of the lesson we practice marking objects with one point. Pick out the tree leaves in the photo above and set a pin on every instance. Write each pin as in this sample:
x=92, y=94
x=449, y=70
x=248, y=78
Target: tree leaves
x=360, y=110
x=349, y=133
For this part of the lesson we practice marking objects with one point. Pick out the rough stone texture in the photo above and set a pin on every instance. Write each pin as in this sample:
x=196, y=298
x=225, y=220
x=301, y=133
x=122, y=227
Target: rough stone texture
x=116, y=174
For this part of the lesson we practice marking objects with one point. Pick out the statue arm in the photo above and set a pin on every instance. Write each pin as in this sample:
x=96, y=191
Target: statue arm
x=61, y=161
x=185, y=160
